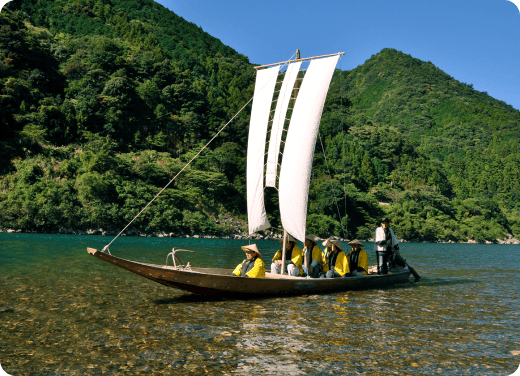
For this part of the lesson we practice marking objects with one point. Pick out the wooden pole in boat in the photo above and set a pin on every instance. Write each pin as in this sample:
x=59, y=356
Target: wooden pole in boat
x=285, y=232
x=283, y=251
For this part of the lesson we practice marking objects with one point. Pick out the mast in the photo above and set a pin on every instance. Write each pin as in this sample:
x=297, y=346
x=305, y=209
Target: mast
x=283, y=252
x=295, y=92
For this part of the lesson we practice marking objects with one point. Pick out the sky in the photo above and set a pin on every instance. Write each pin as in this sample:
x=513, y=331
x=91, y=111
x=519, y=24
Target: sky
x=474, y=41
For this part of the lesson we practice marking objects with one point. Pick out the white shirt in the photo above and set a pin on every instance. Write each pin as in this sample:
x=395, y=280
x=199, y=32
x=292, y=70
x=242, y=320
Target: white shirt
x=380, y=235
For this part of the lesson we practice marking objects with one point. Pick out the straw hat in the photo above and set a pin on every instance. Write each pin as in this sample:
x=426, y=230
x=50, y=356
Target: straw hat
x=289, y=239
x=337, y=243
x=311, y=237
x=251, y=247
x=326, y=243
x=356, y=242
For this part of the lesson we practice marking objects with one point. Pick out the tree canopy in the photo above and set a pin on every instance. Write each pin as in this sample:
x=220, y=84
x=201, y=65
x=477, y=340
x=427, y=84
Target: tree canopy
x=104, y=101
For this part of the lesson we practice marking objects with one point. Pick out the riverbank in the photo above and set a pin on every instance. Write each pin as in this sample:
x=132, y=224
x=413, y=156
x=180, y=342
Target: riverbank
x=266, y=235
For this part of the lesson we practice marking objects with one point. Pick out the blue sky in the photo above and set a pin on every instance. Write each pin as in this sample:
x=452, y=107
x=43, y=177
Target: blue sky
x=476, y=42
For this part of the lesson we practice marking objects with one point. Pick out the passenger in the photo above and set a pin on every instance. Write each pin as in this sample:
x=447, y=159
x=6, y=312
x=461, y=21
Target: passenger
x=312, y=256
x=252, y=266
x=338, y=262
x=325, y=255
x=385, y=244
x=358, y=258
x=293, y=259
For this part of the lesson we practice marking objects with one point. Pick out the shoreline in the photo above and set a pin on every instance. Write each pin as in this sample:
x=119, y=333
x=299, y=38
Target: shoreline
x=234, y=236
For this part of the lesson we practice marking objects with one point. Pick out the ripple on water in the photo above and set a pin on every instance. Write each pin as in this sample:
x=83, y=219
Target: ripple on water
x=68, y=313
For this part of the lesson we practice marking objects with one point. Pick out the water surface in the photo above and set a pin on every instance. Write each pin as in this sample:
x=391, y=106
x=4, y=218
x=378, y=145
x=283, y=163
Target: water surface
x=64, y=312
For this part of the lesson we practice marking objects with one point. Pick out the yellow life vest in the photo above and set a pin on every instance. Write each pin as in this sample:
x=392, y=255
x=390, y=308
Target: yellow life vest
x=296, y=257
x=325, y=255
x=362, y=260
x=258, y=270
x=341, y=264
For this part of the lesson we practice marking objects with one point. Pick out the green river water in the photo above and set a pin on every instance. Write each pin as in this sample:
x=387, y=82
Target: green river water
x=64, y=312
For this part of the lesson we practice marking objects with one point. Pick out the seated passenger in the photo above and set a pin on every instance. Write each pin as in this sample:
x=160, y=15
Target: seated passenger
x=325, y=255
x=338, y=262
x=293, y=259
x=358, y=258
x=252, y=266
x=312, y=258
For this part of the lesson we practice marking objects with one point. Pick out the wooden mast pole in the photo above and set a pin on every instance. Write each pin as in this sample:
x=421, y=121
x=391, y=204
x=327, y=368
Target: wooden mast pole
x=285, y=232
x=283, y=252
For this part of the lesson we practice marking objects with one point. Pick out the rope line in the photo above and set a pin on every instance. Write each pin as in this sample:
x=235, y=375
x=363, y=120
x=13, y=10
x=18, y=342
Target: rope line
x=342, y=136
x=105, y=248
x=332, y=184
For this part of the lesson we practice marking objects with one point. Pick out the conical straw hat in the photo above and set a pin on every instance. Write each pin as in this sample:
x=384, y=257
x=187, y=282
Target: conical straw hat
x=337, y=243
x=251, y=247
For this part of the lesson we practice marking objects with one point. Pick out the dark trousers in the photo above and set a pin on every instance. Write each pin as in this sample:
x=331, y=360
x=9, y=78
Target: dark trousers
x=382, y=262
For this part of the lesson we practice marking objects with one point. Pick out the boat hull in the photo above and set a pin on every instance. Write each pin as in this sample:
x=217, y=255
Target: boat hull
x=220, y=282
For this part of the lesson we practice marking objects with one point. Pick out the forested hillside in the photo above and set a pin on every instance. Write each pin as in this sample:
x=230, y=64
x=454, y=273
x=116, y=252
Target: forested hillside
x=104, y=101
x=444, y=156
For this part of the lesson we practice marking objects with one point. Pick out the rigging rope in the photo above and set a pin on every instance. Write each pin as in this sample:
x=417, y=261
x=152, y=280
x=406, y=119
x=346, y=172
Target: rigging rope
x=342, y=137
x=332, y=184
x=187, y=164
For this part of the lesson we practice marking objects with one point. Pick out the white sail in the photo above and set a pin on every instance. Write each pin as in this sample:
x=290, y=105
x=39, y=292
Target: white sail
x=278, y=121
x=264, y=89
x=299, y=146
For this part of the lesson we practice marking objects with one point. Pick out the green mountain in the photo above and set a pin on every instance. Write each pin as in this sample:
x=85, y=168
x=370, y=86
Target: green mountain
x=103, y=102
x=445, y=156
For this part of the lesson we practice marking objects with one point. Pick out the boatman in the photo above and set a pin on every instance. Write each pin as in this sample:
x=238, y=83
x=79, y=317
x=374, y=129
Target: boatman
x=338, y=262
x=358, y=258
x=252, y=266
x=293, y=259
x=385, y=245
x=312, y=258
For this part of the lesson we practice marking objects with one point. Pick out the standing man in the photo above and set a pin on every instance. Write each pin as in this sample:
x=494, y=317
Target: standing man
x=385, y=244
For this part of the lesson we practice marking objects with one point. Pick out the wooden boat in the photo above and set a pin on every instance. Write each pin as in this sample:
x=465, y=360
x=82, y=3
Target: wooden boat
x=307, y=97
x=220, y=282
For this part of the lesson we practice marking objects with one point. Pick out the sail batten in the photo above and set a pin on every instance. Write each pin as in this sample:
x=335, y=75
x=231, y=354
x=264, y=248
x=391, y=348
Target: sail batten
x=284, y=98
x=264, y=89
x=299, y=146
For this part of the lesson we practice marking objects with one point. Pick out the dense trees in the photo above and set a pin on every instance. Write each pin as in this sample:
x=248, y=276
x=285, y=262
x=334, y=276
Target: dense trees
x=425, y=138
x=103, y=101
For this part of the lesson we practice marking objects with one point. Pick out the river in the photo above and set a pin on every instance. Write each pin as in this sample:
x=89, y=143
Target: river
x=64, y=312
